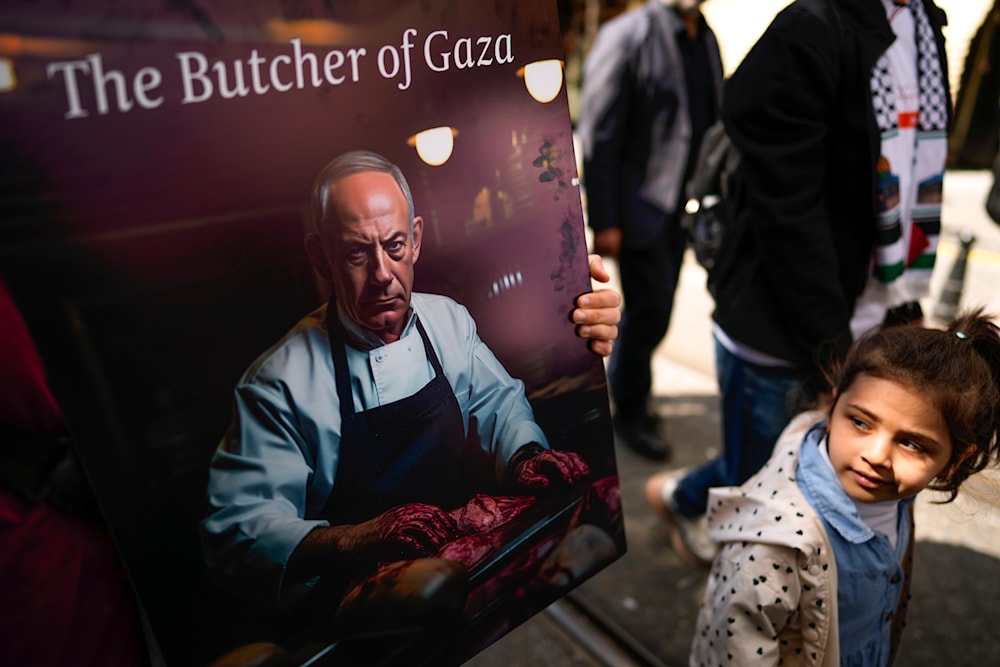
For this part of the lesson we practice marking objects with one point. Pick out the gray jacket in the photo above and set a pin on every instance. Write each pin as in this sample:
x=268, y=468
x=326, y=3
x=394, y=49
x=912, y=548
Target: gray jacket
x=633, y=120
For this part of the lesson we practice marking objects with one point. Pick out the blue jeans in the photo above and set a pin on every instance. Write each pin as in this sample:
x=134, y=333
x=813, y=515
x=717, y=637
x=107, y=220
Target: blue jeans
x=756, y=407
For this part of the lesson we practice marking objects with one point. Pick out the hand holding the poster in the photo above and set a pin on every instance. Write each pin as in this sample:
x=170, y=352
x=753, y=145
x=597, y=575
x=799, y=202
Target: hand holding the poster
x=550, y=468
x=597, y=313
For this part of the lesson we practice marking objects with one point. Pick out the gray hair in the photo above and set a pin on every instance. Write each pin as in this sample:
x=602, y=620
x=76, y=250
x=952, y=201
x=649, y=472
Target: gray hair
x=353, y=162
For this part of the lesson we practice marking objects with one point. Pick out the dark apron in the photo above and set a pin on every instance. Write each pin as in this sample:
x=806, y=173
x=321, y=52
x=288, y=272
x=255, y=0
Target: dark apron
x=412, y=450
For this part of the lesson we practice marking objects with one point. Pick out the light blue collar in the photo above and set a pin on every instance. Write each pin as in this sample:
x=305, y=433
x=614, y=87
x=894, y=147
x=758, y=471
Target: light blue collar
x=364, y=339
x=827, y=494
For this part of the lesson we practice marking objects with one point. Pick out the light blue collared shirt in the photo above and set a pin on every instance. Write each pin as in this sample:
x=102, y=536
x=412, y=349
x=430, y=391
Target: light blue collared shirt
x=275, y=468
x=869, y=570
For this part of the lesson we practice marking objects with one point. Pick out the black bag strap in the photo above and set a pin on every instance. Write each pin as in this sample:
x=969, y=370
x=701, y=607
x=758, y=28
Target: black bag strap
x=717, y=158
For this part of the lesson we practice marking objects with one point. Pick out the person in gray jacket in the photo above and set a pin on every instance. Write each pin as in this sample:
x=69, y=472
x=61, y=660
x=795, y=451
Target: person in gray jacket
x=652, y=85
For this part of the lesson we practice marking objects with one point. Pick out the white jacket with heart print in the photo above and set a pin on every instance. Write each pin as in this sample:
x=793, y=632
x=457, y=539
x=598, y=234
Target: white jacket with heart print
x=772, y=592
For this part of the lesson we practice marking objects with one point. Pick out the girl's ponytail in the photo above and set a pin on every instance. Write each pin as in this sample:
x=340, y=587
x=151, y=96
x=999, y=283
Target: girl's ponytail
x=983, y=336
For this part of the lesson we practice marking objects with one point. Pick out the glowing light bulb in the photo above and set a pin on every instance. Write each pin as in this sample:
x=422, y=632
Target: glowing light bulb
x=434, y=146
x=8, y=80
x=543, y=79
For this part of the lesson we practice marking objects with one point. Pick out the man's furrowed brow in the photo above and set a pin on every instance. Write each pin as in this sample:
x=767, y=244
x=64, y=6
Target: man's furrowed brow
x=398, y=235
x=354, y=240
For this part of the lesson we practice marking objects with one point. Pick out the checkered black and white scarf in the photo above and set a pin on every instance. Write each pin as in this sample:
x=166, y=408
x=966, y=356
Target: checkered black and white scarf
x=910, y=176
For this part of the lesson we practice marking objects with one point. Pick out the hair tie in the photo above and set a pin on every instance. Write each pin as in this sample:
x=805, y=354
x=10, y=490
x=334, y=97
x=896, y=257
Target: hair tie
x=961, y=335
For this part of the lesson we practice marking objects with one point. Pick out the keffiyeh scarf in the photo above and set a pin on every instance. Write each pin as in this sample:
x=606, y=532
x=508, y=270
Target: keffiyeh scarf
x=911, y=166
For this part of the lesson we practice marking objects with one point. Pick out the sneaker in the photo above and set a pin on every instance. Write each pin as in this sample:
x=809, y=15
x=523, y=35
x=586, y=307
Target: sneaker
x=642, y=435
x=689, y=537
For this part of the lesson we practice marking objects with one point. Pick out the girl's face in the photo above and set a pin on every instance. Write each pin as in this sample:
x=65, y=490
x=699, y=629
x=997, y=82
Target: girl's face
x=887, y=442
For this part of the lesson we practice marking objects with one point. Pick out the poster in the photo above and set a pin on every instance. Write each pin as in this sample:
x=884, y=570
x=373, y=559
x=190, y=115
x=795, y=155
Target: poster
x=158, y=165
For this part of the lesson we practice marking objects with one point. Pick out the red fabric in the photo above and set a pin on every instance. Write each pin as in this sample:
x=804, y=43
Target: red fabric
x=918, y=244
x=64, y=596
x=909, y=119
x=66, y=599
x=25, y=399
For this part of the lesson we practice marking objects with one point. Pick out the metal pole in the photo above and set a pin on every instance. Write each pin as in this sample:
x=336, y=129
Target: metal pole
x=947, y=306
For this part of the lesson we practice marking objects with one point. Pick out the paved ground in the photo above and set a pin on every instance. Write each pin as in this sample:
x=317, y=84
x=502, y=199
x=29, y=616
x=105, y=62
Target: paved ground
x=655, y=597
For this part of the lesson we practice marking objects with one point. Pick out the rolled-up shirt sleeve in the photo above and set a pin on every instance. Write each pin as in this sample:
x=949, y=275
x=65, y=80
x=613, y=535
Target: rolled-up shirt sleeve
x=258, y=491
x=486, y=392
x=504, y=417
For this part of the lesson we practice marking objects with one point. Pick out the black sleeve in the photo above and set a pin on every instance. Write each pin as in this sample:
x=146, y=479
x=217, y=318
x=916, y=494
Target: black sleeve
x=777, y=109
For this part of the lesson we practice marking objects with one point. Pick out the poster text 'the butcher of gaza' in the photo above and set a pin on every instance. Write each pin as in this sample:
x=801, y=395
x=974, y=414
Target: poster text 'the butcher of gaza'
x=90, y=86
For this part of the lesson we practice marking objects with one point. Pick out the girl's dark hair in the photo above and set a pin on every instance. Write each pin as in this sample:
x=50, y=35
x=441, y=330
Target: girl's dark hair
x=958, y=368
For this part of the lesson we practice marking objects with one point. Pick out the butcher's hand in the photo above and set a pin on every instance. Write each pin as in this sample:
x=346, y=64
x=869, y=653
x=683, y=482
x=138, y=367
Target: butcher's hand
x=408, y=531
x=403, y=532
x=550, y=468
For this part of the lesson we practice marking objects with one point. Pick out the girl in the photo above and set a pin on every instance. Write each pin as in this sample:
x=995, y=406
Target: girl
x=816, y=547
